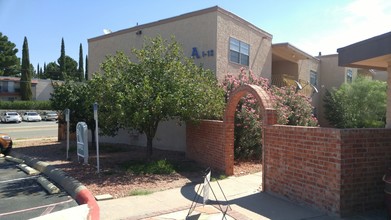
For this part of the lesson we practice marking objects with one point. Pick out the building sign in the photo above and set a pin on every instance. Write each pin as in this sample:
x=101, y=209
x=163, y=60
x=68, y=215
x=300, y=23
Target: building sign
x=196, y=54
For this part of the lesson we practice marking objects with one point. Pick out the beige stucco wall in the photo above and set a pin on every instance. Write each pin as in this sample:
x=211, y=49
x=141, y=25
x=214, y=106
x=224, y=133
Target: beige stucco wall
x=205, y=31
x=43, y=89
x=169, y=136
x=284, y=67
x=259, y=41
x=305, y=67
x=332, y=74
x=195, y=31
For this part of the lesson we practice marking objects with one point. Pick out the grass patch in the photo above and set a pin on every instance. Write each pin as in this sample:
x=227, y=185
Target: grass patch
x=108, y=148
x=218, y=177
x=72, y=149
x=187, y=166
x=152, y=167
x=140, y=192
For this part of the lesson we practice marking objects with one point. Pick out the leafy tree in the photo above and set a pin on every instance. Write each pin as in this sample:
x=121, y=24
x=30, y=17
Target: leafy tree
x=81, y=68
x=9, y=62
x=71, y=72
x=62, y=60
x=161, y=86
x=78, y=98
x=25, y=80
x=52, y=71
x=292, y=109
x=360, y=104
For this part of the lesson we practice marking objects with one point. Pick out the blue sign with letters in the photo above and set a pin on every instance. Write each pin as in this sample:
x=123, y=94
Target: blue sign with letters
x=195, y=54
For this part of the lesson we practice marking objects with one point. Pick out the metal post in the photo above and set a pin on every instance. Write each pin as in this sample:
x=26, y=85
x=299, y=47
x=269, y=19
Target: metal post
x=67, y=120
x=96, y=134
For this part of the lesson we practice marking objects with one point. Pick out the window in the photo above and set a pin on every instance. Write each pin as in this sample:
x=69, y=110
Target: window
x=349, y=75
x=313, y=78
x=239, y=52
x=4, y=86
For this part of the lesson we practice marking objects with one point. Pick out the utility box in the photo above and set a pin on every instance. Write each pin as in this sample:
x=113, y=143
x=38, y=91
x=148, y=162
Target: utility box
x=82, y=141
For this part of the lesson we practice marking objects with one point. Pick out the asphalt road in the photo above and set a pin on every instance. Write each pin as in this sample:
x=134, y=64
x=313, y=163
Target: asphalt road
x=26, y=130
x=22, y=197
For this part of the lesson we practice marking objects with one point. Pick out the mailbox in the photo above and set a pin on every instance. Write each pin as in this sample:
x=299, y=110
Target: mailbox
x=82, y=141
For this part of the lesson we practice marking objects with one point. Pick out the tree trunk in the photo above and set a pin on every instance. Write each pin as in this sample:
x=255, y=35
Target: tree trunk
x=149, y=148
x=150, y=133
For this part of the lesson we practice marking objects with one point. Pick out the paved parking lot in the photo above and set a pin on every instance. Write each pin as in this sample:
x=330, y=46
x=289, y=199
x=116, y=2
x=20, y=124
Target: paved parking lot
x=22, y=197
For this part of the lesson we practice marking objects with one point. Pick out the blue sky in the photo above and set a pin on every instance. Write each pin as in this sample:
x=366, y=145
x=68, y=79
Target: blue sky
x=312, y=26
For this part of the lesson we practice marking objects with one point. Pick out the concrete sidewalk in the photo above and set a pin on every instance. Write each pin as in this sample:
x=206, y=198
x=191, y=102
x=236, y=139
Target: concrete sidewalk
x=243, y=195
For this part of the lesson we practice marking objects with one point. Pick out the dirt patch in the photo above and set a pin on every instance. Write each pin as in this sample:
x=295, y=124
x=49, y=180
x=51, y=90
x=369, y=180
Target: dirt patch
x=113, y=177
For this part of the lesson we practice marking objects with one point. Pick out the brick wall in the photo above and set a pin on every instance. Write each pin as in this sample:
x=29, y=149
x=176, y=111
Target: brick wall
x=303, y=164
x=336, y=170
x=365, y=157
x=204, y=144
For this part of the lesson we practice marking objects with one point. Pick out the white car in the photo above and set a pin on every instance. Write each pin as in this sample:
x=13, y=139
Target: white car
x=31, y=116
x=48, y=116
x=11, y=117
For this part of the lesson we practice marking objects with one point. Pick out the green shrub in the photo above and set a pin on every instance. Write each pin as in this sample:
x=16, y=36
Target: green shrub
x=26, y=105
x=153, y=167
x=140, y=192
x=360, y=104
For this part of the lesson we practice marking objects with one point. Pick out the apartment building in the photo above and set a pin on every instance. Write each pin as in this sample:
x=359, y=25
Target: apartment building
x=220, y=41
x=223, y=42
x=10, y=88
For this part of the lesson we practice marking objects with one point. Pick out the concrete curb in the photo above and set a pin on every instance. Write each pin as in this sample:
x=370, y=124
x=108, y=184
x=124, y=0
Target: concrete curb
x=77, y=190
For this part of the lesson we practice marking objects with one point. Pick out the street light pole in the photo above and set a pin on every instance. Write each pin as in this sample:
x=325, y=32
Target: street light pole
x=96, y=134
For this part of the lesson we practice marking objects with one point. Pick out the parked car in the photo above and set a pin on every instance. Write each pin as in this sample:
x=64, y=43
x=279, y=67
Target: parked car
x=5, y=143
x=49, y=116
x=11, y=117
x=31, y=116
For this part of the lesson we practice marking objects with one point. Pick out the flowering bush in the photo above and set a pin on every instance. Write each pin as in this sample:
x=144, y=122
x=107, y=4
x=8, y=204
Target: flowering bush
x=292, y=109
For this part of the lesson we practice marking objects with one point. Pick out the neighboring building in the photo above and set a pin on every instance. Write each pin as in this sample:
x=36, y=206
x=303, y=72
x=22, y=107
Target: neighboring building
x=373, y=74
x=10, y=88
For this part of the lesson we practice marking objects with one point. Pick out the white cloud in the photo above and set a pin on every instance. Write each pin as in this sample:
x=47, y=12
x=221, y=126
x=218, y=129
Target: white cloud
x=356, y=21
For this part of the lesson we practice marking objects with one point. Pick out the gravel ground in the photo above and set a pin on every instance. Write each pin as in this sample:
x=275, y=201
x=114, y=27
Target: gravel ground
x=113, y=178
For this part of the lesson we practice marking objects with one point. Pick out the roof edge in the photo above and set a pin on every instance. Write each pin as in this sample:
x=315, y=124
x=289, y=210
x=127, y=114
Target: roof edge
x=288, y=45
x=180, y=17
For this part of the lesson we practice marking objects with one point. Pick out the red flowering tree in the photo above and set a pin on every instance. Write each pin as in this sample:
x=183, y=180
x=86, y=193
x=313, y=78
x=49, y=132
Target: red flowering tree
x=292, y=109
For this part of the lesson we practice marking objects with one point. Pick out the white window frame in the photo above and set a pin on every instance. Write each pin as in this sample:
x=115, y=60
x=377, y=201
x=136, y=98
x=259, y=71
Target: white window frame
x=313, y=78
x=349, y=75
x=241, y=49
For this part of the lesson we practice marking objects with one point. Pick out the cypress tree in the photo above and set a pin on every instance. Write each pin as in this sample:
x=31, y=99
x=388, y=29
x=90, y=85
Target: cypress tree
x=44, y=71
x=62, y=60
x=37, y=72
x=86, y=67
x=81, y=68
x=25, y=80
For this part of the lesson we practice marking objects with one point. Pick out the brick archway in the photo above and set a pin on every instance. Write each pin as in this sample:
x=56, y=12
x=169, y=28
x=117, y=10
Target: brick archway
x=266, y=109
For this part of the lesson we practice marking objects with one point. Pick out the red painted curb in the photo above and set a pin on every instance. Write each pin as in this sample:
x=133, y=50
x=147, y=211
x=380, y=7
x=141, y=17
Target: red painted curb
x=84, y=196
